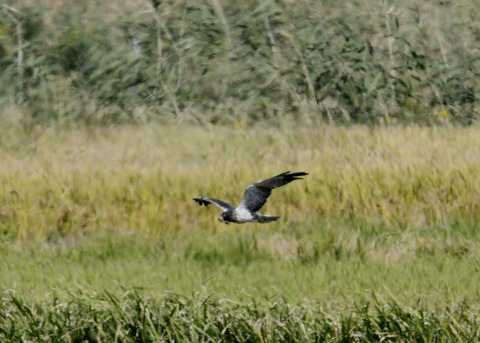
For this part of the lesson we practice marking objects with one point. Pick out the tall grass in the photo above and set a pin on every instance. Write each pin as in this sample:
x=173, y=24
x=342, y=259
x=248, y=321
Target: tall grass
x=401, y=198
x=378, y=243
x=133, y=318
x=57, y=183
x=389, y=212
x=213, y=62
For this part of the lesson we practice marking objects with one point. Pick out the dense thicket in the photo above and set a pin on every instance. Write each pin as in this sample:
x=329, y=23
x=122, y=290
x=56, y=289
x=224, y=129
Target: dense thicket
x=214, y=61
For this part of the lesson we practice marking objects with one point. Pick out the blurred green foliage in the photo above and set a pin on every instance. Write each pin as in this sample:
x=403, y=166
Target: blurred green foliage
x=215, y=62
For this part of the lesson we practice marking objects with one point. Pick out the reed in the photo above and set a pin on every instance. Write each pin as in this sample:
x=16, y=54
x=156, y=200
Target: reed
x=96, y=63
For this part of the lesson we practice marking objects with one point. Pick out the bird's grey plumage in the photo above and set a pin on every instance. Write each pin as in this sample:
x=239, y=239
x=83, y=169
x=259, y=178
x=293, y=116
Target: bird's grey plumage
x=256, y=195
x=253, y=199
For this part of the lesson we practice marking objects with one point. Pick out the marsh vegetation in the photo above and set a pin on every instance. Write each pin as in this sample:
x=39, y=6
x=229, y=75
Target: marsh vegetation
x=114, y=115
x=384, y=226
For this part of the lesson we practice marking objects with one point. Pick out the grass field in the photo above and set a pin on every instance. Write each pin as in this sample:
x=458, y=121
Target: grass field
x=98, y=226
x=115, y=114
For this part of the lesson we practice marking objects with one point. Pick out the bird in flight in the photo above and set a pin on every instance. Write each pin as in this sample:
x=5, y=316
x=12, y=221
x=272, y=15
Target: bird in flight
x=254, y=198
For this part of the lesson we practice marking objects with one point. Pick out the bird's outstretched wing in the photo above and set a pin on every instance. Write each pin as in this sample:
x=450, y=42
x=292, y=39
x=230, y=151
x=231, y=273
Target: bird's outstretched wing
x=225, y=206
x=256, y=195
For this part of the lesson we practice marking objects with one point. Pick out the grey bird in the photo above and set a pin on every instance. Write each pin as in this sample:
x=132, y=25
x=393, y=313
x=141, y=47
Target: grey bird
x=254, y=198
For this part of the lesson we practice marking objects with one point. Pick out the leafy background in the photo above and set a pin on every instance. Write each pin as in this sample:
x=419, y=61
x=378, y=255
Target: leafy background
x=220, y=62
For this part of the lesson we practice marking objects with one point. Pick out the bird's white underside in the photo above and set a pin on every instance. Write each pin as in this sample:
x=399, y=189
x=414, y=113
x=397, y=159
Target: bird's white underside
x=244, y=213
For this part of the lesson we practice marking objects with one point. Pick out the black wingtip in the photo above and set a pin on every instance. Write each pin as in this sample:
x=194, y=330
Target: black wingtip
x=294, y=176
x=289, y=173
x=200, y=201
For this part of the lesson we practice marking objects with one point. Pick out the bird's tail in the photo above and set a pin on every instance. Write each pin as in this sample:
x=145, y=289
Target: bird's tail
x=267, y=219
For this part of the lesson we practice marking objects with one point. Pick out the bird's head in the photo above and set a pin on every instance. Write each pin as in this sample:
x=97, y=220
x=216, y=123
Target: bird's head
x=224, y=218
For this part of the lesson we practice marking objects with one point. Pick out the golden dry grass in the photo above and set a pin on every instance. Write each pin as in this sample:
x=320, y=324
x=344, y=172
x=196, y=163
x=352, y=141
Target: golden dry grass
x=143, y=178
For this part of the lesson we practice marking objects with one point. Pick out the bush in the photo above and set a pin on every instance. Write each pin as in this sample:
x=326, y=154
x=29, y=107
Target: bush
x=335, y=61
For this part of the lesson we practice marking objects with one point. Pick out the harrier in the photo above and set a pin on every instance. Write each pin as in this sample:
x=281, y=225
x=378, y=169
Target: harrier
x=254, y=198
